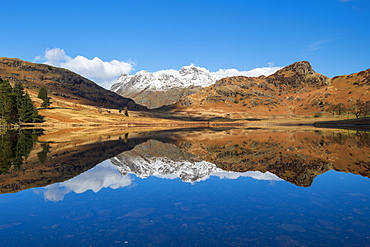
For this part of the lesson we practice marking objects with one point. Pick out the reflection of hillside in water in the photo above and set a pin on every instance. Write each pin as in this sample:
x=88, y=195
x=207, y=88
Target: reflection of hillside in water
x=295, y=156
x=195, y=154
x=52, y=162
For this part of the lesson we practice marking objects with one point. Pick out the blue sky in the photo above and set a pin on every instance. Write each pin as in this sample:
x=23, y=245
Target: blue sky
x=333, y=35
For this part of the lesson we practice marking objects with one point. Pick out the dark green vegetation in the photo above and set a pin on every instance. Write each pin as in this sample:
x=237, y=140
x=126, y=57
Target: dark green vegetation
x=16, y=105
x=15, y=146
x=43, y=94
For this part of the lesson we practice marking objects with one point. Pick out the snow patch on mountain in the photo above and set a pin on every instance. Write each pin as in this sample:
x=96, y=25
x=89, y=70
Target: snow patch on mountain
x=163, y=80
x=187, y=171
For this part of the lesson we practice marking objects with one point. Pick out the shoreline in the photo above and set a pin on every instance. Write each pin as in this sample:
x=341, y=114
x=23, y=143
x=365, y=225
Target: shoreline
x=138, y=121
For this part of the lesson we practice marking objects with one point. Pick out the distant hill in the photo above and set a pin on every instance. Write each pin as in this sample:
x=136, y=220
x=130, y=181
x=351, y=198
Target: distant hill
x=294, y=90
x=62, y=85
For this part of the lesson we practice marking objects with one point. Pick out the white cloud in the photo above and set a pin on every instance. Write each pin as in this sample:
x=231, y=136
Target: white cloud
x=266, y=71
x=102, y=72
x=222, y=73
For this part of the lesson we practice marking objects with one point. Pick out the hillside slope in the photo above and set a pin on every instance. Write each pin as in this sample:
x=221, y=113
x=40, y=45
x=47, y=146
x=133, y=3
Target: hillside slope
x=63, y=85
x=294, y=90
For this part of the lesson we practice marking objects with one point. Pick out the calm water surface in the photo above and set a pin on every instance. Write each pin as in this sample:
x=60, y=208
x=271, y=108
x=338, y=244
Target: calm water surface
x=192, y=188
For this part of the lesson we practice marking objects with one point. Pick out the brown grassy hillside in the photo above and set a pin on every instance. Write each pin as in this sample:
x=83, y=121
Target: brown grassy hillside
x=64, y=87
x=294, y=90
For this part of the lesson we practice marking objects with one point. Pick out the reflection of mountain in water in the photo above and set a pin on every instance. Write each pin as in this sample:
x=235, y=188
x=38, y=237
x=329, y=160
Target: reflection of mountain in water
x=154, y=158
x=194, y=155
x=107, y=175
x=297, y=157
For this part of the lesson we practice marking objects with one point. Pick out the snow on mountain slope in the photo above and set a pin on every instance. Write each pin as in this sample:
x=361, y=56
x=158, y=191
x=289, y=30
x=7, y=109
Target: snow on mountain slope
x=163, y=80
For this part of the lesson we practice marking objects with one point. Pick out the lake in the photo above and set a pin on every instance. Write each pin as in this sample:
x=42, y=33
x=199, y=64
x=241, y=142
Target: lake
x=185, y=187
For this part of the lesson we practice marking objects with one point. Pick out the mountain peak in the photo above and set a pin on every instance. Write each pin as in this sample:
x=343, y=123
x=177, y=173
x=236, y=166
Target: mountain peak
x=192, y=69
x=300, y=68
x=148, y=88
x=163, y=80
x=297, y=74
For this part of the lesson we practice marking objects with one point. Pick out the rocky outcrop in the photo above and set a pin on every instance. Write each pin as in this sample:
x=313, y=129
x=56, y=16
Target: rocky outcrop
x=297, y=75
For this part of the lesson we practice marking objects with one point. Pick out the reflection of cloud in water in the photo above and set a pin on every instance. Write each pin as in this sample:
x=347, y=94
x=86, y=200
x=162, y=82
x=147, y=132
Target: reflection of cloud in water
x=104, y=175
x=268, y=176
x=252, y=174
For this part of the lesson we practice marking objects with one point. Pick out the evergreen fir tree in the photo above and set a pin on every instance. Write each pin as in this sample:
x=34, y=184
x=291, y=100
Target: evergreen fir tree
x=26, y=111
x=43, y=94
x=16, y=105
x=18, y=99
x=8, y=111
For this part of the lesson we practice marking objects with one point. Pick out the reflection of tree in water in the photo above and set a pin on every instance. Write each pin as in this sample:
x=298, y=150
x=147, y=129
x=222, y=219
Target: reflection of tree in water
x=15, y=146
x=361, y=138
x=42, y=155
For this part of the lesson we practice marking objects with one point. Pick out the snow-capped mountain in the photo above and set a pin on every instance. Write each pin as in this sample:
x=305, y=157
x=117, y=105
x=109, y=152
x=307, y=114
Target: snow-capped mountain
x=165, y=168
x=163, y=87
x=163, y=80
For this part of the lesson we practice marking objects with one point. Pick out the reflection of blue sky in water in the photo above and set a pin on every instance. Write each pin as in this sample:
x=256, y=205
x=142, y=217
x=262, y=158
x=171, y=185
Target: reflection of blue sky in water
x=106, y=175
